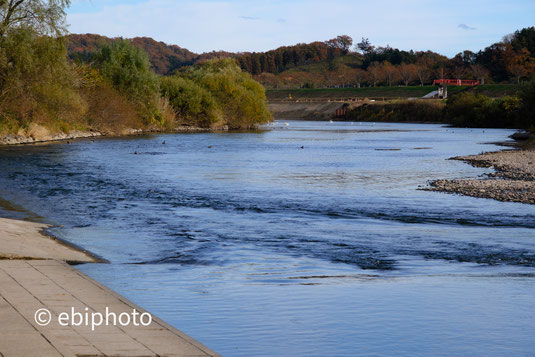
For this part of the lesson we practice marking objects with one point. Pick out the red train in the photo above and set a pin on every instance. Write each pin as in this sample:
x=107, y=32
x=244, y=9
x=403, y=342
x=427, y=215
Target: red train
x=456, y=82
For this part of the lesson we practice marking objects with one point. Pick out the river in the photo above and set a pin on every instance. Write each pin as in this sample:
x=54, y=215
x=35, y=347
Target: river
x=304, y=239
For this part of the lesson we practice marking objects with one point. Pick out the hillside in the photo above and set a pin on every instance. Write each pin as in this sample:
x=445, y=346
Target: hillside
x=335, y=63
x=163, y=58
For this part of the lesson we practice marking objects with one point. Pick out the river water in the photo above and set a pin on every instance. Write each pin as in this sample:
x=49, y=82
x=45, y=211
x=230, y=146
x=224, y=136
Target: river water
x=304, y=239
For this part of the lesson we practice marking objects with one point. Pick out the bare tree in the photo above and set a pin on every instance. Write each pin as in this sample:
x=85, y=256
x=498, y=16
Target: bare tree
x=479, y=72
x=375, y=73
x=359, y=76
x=423, y=73
x=390, y=71
x=517, y=70
x=408, y=73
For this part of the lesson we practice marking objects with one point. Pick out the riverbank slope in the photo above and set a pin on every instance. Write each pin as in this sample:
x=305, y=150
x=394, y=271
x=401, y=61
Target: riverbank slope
x=35, y=278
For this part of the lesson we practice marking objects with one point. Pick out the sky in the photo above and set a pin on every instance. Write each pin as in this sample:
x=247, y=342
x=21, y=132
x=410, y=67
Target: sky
x=447, y=27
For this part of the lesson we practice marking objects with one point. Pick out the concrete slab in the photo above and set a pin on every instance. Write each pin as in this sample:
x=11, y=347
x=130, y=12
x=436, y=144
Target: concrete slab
x=30, y=285
x=34, y=276
x=24, y=240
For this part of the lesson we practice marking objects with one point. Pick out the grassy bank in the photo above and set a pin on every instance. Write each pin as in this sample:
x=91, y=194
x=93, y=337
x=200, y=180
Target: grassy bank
x=462, y=109
x=491, y=90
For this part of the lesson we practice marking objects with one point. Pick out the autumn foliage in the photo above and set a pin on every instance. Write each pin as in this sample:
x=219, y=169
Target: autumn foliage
x=110, y=85
x=335, y=63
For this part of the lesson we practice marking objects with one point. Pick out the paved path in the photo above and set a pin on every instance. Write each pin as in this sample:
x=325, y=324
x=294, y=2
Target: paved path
x=23, y=240
x=27, y=286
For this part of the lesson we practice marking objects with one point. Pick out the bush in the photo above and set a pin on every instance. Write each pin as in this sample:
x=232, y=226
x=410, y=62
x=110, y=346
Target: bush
x=37, y=84
x=108, y=110
x=467, y=109
x=400, y=111
x=192, y=103
x=127, y=69
x=239, y=101
x=527, y=108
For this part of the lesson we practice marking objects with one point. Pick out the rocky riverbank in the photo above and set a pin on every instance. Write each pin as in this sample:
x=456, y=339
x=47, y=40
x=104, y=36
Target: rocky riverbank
x=512, y=181
x=14, y=139
x=38, y=134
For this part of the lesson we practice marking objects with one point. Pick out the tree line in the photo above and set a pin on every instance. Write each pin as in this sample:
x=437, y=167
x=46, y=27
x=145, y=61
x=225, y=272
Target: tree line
x=338, y=62
x=510, y=60
x=111, y=88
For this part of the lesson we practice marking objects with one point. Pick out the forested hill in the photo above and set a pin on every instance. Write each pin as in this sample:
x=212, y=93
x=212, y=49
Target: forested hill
x=163, y=58
x=167, y=58
x=337, y=63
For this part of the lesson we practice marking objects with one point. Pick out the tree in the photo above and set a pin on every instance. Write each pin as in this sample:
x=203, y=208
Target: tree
x=527, y=96
x=520, y=65
x=407, y=72
x=37, y=82
x=517, y=70
x=365, y=46
x=496, y=59
x=524, y=38
x=479, y=72
x=191, y=102
x=375, y=73
x=359, y=76
x=127, y=69
x=239, y=100
x=338, y=46
x=44, y=17
x=390, y=72
x=344, y=43
x=423, y=73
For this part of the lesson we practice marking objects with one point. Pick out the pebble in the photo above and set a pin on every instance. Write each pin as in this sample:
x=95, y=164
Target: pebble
x=513, y=179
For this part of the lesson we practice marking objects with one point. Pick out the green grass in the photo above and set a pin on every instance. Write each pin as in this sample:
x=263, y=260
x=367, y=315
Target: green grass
x=321, y=67
x=371, y=92
x=491, y=90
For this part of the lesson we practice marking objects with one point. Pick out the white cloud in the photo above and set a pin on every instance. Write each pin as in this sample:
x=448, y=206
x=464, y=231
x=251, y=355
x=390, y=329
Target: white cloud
x=466, y=27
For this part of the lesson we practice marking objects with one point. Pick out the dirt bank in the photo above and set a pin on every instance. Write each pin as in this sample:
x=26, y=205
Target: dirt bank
x=304, y=111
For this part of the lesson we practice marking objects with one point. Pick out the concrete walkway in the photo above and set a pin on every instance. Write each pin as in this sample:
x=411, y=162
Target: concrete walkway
x=24, y=240
x=27, y=286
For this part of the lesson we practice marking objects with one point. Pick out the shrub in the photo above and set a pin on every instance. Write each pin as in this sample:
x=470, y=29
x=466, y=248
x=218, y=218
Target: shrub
x=400, y=111
x=527, y=106
x=192, y=103
x=127, y=69
x=239, y=100
x=467, y=109
x=37, y=84
x=109, y=111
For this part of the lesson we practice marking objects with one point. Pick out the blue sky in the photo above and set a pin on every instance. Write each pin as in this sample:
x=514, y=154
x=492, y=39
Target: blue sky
x=447, y=26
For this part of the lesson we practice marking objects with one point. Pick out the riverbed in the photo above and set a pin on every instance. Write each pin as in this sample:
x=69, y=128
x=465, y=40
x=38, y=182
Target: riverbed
x=303, y=239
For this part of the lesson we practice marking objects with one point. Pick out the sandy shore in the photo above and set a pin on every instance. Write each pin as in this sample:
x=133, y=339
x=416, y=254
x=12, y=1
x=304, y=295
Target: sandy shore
x=35, y=277
x=512, y=181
